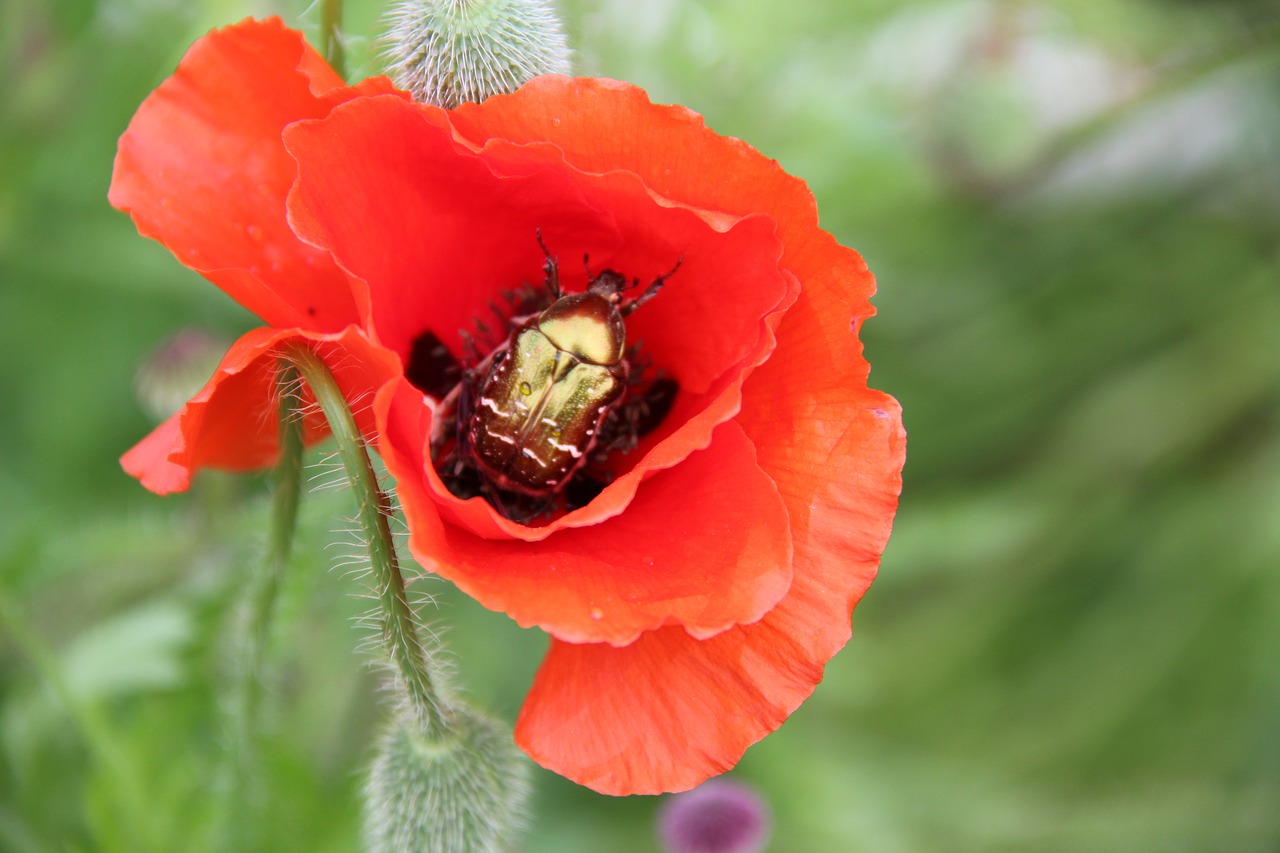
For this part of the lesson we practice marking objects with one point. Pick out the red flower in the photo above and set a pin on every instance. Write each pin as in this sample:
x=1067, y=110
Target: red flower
x=203, y=170
x=695, y=600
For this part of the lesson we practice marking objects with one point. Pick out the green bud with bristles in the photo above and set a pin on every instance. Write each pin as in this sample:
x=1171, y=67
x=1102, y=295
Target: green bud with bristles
x=447, y=52
x=463, y=792
x=445, y=779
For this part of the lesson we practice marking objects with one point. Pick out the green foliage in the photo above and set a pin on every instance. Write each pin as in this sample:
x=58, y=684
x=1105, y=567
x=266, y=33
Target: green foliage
x=1071, y=208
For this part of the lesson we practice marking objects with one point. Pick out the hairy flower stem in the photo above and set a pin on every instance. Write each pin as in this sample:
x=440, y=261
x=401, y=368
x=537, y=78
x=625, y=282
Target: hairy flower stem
x=398, y=628
x=331, y=35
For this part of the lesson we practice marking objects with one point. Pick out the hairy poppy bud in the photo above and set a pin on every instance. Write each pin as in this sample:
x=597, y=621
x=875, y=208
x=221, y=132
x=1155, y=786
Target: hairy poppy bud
x=462, y=792
x=447, y=52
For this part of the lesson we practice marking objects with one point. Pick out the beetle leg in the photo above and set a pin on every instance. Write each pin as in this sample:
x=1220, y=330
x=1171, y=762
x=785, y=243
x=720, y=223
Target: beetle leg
x=550, y=268
x=494, y=496
x=462, y=415
x=650, y=291
x=522, y=509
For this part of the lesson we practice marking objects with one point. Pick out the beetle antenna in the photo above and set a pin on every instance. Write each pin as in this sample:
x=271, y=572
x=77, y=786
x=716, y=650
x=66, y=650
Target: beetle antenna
x=650, y=291
x=550, y=268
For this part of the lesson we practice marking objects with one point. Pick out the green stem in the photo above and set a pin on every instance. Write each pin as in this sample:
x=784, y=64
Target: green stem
x=259, y=611
x=284, y=512
x=330, y=35
x=284, y=520
x=396, y=621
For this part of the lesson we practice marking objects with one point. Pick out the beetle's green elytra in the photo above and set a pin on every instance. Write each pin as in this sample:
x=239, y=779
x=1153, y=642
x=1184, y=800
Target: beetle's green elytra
x=539, y=408
x=532, y=443
x=528, y=418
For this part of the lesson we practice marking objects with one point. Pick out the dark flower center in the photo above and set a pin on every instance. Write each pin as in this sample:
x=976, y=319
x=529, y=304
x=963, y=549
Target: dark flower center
x=431, y=367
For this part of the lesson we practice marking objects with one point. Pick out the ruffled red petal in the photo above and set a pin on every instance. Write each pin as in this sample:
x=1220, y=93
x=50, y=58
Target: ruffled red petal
x=705, y=545
x=423, y=221
x=380, y=172
x=805, y=403
x=232, y=423
x=669, y=710
x=202, y=169
x=601, y=125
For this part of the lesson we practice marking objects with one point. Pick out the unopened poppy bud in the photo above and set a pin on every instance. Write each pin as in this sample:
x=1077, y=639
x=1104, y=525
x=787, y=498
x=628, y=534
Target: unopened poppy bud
x=175, y=370
x=718, y=816
x=461, y=792
x=447, y=52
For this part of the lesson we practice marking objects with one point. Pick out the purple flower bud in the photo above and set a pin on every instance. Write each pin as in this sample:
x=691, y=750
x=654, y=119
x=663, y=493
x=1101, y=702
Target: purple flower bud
x=719, y=816
x=176, y=369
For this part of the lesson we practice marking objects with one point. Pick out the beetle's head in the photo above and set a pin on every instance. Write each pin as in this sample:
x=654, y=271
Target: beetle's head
x=609, y=284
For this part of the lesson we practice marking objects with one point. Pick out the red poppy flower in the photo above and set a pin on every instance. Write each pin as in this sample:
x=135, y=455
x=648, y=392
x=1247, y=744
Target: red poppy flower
x=696, y=593
x=202, y=169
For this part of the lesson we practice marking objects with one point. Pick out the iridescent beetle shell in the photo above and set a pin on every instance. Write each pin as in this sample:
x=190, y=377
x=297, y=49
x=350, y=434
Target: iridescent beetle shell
x=555, y=395
x=538, y=411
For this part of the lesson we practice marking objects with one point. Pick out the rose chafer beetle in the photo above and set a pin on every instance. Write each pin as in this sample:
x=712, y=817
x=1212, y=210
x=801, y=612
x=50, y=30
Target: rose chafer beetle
x=537, y=410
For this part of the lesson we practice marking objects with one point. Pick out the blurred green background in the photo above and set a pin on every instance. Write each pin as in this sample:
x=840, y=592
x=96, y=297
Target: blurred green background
x=1073, y=210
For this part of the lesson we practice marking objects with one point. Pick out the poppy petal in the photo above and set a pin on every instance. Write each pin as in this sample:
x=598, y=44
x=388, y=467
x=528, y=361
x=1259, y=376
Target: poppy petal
x=379, y=172
x=670, y=710
x=721, y=271
x=804, y=406
x=601, y=125
x=232, y=423
x=202, y=169
x=705, y=545
x=810, y=415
